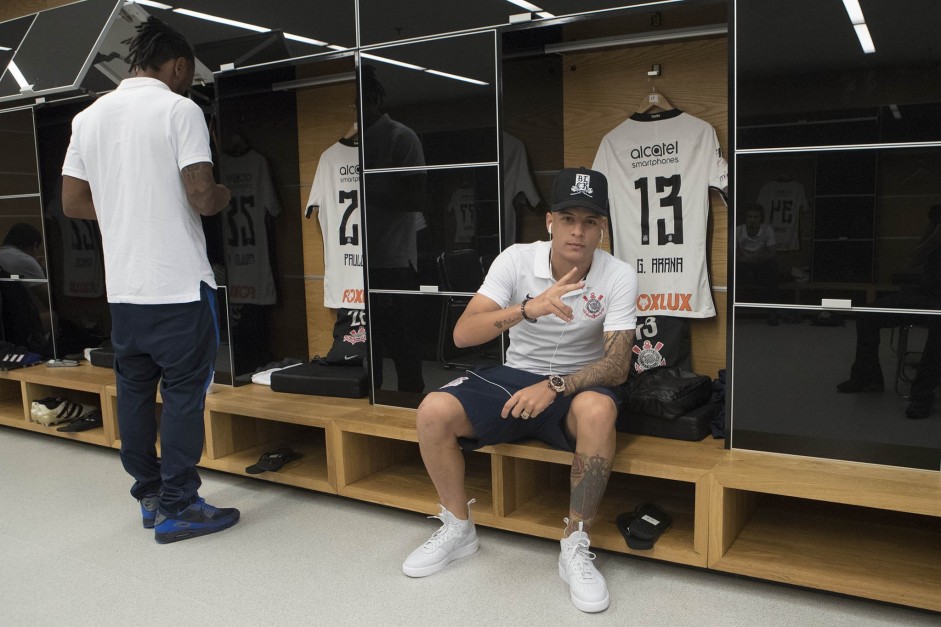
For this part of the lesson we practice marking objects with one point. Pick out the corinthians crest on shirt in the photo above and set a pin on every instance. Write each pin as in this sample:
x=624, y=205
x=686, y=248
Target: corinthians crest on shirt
x=593, y=305
x=355, y=337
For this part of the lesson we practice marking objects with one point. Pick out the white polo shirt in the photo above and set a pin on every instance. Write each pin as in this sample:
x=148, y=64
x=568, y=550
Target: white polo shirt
x=130, y=146
x=606, y=303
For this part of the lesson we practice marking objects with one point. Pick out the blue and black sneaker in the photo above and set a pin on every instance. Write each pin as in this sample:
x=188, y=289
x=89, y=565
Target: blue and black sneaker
x=148, y=511
x=198, y=519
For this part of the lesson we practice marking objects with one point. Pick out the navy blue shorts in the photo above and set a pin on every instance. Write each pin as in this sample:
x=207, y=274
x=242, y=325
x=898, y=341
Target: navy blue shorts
x=484, y=392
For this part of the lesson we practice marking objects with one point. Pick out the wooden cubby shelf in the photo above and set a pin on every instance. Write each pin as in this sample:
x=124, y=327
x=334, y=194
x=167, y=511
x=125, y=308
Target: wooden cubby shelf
x=852, y=528
x=857, y=529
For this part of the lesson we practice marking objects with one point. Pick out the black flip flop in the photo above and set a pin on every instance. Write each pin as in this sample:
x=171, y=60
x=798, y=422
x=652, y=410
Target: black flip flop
x=89, y=421
x=272, y=461
x=624, y=524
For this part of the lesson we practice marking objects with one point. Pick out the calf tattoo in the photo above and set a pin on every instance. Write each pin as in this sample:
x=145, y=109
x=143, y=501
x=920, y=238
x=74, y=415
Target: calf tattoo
x=588, y=480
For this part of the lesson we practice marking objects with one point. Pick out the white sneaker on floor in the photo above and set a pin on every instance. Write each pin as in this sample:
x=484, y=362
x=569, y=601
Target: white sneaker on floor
x=454, y=539
x=587, y=587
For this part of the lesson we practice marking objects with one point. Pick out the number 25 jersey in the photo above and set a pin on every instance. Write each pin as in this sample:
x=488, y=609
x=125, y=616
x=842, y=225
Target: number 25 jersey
x=336, y=192
x=660, y=167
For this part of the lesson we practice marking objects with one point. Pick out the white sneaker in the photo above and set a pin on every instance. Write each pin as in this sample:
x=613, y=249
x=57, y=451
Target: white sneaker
x=587, y=587
x=453, y=540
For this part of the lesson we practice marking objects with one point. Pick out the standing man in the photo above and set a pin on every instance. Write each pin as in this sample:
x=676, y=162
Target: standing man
x=139, y=162
x=570, y=311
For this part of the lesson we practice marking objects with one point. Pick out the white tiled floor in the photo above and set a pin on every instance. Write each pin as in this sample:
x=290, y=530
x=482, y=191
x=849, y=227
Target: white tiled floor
x=72, y=552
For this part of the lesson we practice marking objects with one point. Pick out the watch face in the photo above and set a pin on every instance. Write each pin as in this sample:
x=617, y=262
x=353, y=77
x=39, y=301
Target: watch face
x=557, y=383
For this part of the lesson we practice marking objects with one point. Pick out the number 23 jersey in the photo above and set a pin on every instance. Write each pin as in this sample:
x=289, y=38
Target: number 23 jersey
x=660, y=167
x=336, y=192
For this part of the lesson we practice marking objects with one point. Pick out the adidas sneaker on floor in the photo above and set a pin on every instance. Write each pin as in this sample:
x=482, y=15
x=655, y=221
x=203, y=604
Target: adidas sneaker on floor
x=453, y=540
x=51, y=411
x=587, y=586
x=198, y=519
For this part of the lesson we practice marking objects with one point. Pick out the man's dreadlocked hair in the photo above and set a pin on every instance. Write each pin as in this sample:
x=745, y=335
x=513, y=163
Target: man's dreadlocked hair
x=155, y=44
x=373, y=91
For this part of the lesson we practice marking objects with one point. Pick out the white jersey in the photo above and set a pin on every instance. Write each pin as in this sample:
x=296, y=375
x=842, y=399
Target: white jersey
x=336, y=193
x=249, y=279
x=462, y=207
x=516, y=179
x=783, y=202
x=605, y=303
x=82, y=266
x=660, y=167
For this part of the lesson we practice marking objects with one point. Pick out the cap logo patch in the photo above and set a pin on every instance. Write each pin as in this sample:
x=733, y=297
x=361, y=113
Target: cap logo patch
x=582, y=185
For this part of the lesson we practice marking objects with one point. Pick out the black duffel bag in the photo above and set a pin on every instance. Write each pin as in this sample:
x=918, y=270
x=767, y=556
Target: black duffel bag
x=666, y=392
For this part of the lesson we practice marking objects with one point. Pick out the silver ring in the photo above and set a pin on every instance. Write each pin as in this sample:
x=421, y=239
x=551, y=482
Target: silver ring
x=524, y=415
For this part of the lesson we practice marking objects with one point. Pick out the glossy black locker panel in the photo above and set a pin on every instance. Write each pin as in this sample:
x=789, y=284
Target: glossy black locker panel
x=412, y=217
x=430, y=103
x=803, y=77
x=847, y=223
x=412, y=350
x=785, y=386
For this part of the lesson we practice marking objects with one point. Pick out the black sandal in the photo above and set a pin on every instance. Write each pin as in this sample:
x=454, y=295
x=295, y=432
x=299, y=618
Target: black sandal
x=273, y=461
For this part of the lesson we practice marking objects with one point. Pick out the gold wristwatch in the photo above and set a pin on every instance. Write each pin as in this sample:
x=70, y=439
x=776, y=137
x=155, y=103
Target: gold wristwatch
x=557, y=383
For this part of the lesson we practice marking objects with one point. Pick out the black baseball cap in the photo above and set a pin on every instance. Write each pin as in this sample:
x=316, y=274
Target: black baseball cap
x=580, y=187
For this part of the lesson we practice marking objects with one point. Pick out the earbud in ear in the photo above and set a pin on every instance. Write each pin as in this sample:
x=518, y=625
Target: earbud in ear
x=550, y=228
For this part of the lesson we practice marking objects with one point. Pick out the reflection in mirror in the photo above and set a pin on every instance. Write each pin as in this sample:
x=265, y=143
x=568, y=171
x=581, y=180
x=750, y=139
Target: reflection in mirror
x=254, y=245
x=22, y=247
x=413, y=217
x=414, y=355
x=812, y=82
x=846, y=224
x=816, y=352
x=382, y=21
x=54, y=52
x=245, y=33
x=18, y=154
x=439, y=96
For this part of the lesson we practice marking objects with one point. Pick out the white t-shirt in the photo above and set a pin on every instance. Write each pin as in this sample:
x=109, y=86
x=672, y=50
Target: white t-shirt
x=606, y=303
x=660, y=167
x=516, y=179
x=15, y=261
x=247, y=258
x=130, y=146
x=763, y=239
x=335, y=192
x=462, y=208
x=783, y=202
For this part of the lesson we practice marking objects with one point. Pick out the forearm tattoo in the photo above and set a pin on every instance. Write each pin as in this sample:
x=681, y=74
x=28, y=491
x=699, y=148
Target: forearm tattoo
x=610, y=370
x=588, y=480
x=507, y=322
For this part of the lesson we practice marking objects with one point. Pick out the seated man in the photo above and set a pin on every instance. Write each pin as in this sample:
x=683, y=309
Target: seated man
x=570, y=311
x=755, y=256
x=925, y=293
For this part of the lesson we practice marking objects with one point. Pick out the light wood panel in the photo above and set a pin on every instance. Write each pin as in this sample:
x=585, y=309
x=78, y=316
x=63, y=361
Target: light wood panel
x=603, y=88
x=323, y=116
x=891, y=558
x=10, y=9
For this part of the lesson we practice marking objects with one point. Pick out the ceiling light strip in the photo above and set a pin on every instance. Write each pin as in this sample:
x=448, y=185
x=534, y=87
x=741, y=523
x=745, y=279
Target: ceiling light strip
x=304, y=40
x=457, y=77
x=150, y=3
x=529, y=6
x=865, y=39
x=854, y=11
x=222, y=20
x=375, y=57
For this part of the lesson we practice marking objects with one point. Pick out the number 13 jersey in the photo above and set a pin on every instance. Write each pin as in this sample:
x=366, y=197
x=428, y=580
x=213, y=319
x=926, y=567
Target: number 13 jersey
x=336, y=192
x=660, y=167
